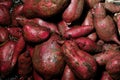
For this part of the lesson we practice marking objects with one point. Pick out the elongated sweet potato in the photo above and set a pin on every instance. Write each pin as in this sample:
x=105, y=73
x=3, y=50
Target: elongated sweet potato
x=44, y=8
x=6, y=54
x=3, y=34
x=80, y=62
x=15, y=31
x=48, y=58
x=106, y=76
x=104, y=57
x=78, y=31
x=35, y=33
x=104, y=25
x=113, y=67
x=73, y=11
x=68, y=74
x=88, y=45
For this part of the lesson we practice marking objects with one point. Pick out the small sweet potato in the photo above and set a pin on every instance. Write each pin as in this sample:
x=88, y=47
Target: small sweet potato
x=80, y=62
x=78, y=31
x=106, y=76
x=73, y=11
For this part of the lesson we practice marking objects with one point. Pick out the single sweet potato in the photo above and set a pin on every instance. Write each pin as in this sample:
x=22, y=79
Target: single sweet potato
x=80, y=62
x=106, y=76
x=43, y=8
x=78, y=31
x=68, y=74
x=73, y=11
x=104, y=25
x=15, y=31
x=103, y=57
x=113, y=67
x=88, y=45
x=35, y=33
x=48, y=58
x=6, y=54
x=3, y=35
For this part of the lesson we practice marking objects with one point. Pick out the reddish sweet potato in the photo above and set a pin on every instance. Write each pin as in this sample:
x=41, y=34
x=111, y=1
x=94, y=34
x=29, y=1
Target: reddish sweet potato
x=48, y=58
x=63, y=27
x=104, y=25
x=3, y=34
x=24, y=64
x=104, y=57
x=88, y=45
x=80, y=62
x=15, y=31
x=78, y=31
x=113, y=67
x=4, y=15
x=106, y=76
x=73, y=11
x=44, y=8
x=35, y=33
x=49, y=25
x=92, y=36
x=68, y=74
x=6, y=3
x=6, y=54
x=36, y=76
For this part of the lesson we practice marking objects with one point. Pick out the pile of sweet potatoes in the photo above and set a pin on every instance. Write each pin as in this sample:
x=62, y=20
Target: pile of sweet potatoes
x=59, y=40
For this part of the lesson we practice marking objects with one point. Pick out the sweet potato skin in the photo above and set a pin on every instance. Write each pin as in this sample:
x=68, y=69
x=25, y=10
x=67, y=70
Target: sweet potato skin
x=48, y=58
x=81, y=63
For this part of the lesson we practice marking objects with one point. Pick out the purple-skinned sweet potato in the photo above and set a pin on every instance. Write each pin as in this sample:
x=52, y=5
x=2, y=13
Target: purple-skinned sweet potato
x=103, y=57
x=3, y=34
x=68, y=74
x=106, y=76
x=88, y=45
x=6, y=54
x=4, y=15
x=24, y=64
x=80, y=62
x=73, y=11
x=44, y=8
x=113, y=67
x=63, y=27
x=78, y=31
x=35, y=33
x=15, y=31
x=48, y=58
x=22, y=21
x=104, y=25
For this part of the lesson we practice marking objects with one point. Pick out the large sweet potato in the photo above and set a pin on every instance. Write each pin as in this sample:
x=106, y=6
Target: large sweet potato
x=48, y=58
x=44, y=8
x=80, y=62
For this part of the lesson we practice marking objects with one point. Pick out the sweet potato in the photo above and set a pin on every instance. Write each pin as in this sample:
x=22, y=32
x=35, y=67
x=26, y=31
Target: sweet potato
x=6, y=54
x=63, y=27
x=24, y=64
x=93, y=36
x=88, y=45
x=49, y=25
x=44, y=8
x=68, y=74
x=106, y=76
x=103, y=57
x=48, y=58
x=78, y=31
x=35, y=33
x=7, y=3
x=15, y=31
x=3, y=34
x=5, y=16
x=73, y=11
x=113, y=67
x=80, y=62
x=104, y=25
